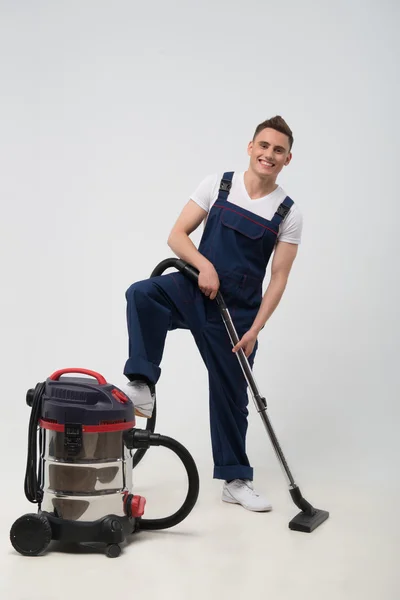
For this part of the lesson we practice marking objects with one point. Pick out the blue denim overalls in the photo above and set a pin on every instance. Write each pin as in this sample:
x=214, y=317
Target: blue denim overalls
x=239, y=244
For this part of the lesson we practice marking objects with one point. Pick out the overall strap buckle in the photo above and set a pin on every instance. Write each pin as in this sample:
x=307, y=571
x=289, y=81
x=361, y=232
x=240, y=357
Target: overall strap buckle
x=283, y=210
x=225, y=186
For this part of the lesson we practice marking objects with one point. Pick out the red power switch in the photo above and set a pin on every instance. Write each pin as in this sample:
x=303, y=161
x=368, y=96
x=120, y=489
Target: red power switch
x=137, y=506
x=134, y=505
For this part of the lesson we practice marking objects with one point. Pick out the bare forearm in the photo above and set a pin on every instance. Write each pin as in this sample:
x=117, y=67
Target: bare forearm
x=182, y=245
x=270, y=301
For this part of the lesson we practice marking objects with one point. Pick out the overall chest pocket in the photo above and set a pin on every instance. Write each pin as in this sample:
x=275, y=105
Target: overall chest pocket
x=243, y=225
x=252, y=242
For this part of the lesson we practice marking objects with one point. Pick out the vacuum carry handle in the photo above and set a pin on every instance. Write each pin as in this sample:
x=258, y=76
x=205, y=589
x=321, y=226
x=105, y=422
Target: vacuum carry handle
x=57, y=374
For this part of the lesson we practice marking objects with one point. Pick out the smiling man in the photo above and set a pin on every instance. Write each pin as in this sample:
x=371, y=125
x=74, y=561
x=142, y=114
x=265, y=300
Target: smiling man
x=249, y=219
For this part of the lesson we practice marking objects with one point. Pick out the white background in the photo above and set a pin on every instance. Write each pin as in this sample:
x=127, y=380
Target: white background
x=112, y=112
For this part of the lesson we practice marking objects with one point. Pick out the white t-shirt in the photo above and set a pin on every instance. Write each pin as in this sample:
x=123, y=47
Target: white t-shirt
x=290, y=229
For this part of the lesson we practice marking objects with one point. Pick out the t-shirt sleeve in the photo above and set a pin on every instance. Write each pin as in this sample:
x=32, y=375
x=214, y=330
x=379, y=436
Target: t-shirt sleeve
x=206, y=192
x=292, y=227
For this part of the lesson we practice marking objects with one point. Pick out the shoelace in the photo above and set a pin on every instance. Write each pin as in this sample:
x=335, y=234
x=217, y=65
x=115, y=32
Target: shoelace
x=253, y=493
x=249, y=489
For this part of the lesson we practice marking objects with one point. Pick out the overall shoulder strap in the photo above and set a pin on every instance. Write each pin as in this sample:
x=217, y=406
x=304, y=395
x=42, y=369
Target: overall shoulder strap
x=225, y=186
x=282, y=211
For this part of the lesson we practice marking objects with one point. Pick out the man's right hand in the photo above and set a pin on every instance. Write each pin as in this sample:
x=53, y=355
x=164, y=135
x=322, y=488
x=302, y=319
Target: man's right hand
x=209, y=281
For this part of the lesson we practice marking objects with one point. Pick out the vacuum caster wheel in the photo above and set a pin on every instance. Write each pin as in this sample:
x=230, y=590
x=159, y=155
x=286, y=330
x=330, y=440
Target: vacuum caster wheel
x=31, y=534
x=113, y=550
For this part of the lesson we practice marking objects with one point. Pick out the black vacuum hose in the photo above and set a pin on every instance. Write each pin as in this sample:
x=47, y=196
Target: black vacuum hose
x=32, y=491
x=139, y=438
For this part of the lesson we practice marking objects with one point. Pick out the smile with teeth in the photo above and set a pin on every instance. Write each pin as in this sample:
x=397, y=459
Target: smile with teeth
x=267, y=163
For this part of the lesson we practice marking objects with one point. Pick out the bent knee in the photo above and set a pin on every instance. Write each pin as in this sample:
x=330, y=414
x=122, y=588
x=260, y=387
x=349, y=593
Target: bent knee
x=139, y=288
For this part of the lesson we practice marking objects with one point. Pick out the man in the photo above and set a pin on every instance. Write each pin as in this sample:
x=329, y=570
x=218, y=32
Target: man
x=248, y=218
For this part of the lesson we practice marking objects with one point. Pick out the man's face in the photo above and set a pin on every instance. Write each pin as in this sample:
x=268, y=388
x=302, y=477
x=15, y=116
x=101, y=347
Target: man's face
x=269, y=153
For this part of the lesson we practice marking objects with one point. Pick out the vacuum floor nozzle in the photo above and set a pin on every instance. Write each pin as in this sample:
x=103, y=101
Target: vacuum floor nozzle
x=306, y=522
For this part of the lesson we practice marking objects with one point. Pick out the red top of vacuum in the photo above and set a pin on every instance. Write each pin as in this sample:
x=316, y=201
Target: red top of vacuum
x=95, y=404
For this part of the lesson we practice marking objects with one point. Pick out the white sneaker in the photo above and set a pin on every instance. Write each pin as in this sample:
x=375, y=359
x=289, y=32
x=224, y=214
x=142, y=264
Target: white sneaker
x=141, y=396
x=240, y=491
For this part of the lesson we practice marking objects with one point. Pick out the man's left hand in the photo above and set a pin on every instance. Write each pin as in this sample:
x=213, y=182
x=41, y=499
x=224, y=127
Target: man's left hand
x=247, y=342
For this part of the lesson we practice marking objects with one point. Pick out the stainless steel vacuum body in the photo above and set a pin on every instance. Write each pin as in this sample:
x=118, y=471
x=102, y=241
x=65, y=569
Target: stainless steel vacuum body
x=89, y=485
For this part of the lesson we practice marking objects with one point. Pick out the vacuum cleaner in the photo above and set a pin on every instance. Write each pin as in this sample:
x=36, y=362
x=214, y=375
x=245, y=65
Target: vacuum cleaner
x=309, y=518
x=82, y=480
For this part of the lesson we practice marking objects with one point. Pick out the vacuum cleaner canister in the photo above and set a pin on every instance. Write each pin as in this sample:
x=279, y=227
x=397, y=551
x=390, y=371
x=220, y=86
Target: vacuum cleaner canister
x=82, y=481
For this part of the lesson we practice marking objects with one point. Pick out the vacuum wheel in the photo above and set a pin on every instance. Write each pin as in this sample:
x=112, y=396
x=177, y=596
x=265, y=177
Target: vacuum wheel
x=113, y=550
x=31, y=534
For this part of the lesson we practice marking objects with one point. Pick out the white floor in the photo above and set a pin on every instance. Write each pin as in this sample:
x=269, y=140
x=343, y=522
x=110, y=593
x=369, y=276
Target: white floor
x=221, y=550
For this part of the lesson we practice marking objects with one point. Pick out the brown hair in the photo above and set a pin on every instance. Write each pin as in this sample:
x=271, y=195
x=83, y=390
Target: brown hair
x=278, y=124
